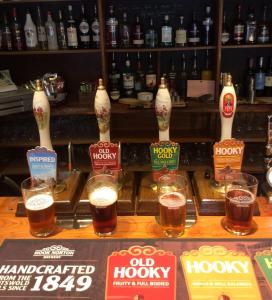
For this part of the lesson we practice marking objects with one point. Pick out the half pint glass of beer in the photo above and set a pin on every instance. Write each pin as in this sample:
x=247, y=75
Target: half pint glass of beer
x=240, y=200
x=39, y=204
x=103, y=193
x=172, y=191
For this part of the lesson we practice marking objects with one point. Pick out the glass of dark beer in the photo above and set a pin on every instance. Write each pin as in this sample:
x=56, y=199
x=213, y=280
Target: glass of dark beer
x=172, y=194
x=103, y=193
x=39, y=203
x=240, y=201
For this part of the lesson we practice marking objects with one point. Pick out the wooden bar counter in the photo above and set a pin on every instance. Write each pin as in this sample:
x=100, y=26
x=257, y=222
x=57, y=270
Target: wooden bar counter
x=131, y=226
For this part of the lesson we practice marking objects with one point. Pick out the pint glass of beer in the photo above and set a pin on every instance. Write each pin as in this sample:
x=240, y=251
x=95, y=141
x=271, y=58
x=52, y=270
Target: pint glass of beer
x=103, y=193
x=39, y=204
x=172, y=191
x=240, y=200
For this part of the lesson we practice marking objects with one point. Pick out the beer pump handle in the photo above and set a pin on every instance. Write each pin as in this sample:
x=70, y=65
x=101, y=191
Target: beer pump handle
x=41, y=110
x=163, y=108
x=102, y=108
x=227, y=108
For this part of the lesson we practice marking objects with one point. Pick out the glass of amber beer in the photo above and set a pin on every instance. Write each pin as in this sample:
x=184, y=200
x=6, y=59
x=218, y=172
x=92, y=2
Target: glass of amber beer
x=172, y=194
x=240, y=201
x=103, y=193
x=39, y=203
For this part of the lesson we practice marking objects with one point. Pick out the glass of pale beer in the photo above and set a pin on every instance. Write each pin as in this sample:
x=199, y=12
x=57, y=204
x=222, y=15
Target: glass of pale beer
x=39, y=203
x=172, y=195
x=102, y=192
x=240, y=201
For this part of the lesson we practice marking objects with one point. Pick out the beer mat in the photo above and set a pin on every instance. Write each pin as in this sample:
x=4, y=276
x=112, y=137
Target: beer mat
x=209, y=201
x=135, y=269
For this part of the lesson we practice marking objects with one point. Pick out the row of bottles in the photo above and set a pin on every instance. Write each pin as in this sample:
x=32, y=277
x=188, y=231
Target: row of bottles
x=121, y=34
x=53, y=34
x=249, y=31
x=132, y=80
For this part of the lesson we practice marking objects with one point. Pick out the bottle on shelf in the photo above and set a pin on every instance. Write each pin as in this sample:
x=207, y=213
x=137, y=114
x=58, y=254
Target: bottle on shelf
x=128, y=79
x=30, y=33
x=250, y=81
x=6, y=35
x=95, y=34
x=51, y=32
x=114, y=80
x=183, y=78
x=139, y=76
x=193, y=32
x=112, y=29
x=84, y=30
x=225, y=38
x=181, y=34
x=207, y=24
x=263, y=33
x=172, y=85
x=207, y=73
x=42, y=39
x=61, y=30
x=151, y=35
x=251, y=27
x=124, y=32
x=16, y=31
x=150, y=76
x=239, y=27
x=268, y=79
x=260, y=77
x=138, y=34
x=166, y=33
x=72, y=39
x=195, y=75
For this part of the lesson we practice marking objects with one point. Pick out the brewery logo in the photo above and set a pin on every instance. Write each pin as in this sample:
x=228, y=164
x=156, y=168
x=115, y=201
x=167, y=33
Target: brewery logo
x=53, y=252
x=228, y=105
x=264, y=261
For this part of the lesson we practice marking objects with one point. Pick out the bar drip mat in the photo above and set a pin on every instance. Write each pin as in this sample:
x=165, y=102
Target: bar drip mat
x=136, y=269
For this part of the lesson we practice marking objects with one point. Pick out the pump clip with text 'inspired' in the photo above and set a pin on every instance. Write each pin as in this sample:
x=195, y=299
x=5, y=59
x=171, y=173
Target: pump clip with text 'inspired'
x=164, y=158
x=228, y=157
x=105, y=158
x=42, y=163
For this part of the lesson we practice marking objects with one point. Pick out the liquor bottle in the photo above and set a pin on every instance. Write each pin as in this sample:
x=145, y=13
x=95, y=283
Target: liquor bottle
x=150, y=76
x=206, y=73
x=251, y=27
x=138, y=34
x=139, y=76
x=268, y=79
x=95, y=30
x=114, y=81
x=250, y=81
x=151, y=35
x=181, y=34
x=42, y=39
x=225, y=38
x=183, y=78
x=128, y=79
x=166, y=33
x=51, y=32
x=195, y=75
x=207, y=27
x=6, y=35
x=84, y=30
x=263, y=28
x=124, y=32
x=172, y=78
x=16, y=32
x=72, y=40
x=260, y=77
x=30, y=33
x=193, y=32
x=61, y=30
x=111, y=29
x=239, y=28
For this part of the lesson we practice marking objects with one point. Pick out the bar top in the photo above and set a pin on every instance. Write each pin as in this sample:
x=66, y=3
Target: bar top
x=131, y=226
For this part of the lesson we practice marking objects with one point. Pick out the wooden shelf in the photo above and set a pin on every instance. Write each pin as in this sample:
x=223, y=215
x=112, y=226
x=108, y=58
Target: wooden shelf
x=48, y=52
x=170, y=49
x=246, y=46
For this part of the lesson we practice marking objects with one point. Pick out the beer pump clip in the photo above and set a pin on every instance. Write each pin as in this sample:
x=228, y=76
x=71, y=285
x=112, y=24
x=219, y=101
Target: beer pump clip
x=164, y=154
x=105, y=156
